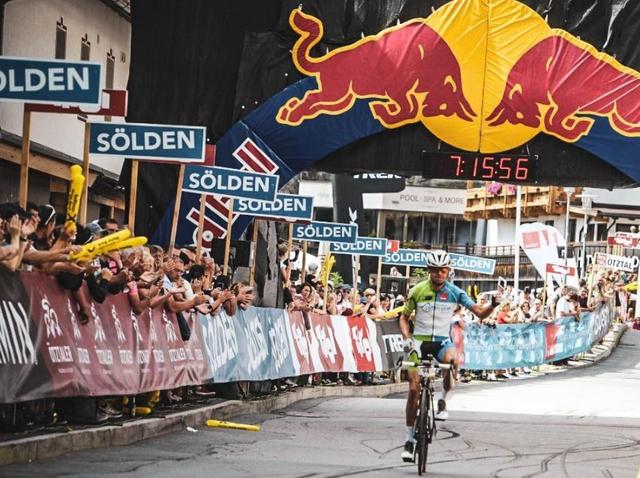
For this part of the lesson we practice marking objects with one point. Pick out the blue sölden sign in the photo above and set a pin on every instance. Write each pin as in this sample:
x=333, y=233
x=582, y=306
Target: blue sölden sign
x=285, y=206
x=156, y=142
x=228, y=182
x=334, y=232
x=406, y=257
x=57, y=82
x=364, y=246
x=479, y=265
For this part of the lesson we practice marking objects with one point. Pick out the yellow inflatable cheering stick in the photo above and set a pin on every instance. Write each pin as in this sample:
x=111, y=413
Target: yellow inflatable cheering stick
x=126, y=244
x=76, y=185
x=95, y=248
x=233, y=426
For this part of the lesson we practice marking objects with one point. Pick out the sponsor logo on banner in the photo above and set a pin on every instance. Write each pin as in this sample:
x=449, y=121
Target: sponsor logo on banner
x=406, y=257
x=220, y=340
x=16, y=346
x=364, y=246
x=479, y=265
x=325, y=351
x=50, y=81
x=278, y=342
x=257, y=343
x=609, y=261
x=157, y=142
x=230, y=183
x=300, y=342
x=561, y=269
x=326, y=232
x=361, y=343
x=285, y=206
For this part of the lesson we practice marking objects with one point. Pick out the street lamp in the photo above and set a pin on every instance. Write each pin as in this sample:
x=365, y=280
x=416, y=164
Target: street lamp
x=587, y=201
x=569, y=192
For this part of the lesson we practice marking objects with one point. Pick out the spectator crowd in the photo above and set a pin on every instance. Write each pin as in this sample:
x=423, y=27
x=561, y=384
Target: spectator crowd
x=42, y=239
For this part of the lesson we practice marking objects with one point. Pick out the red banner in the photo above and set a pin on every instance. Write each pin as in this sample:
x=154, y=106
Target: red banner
x=116, y=352
x=361, y=344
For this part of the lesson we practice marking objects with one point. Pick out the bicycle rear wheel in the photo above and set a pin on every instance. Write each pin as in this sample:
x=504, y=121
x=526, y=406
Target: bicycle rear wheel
x=423, y=432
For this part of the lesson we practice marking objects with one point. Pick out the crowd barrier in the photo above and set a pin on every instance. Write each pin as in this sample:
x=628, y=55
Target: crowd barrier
x=46, y=352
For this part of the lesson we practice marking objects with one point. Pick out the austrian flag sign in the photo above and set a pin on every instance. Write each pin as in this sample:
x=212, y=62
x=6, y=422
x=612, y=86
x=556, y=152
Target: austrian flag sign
x=156, y=142
x=228, y=182
x=50, y=81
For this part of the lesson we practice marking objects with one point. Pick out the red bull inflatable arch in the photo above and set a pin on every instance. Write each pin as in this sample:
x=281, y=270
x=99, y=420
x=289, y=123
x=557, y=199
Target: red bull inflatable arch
x=476, y=76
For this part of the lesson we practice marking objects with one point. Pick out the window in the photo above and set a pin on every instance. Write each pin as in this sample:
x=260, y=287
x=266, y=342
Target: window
x=572, y=230
x=85, y=48
x=111, y=63
x=61, y=40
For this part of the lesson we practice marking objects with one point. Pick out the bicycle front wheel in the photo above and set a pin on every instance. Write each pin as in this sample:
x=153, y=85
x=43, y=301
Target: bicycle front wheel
x=424, y=429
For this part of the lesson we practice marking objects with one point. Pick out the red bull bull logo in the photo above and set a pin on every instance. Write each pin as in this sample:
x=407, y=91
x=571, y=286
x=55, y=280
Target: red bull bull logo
x=561, y=79
x=408, y=71
x=478, y=81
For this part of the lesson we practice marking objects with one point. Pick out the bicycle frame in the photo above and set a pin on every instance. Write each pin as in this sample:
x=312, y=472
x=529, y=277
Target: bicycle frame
x=425, y=425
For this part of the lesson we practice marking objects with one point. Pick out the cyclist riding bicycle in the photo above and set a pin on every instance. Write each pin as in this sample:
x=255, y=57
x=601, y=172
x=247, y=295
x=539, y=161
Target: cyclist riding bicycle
x=433, y=301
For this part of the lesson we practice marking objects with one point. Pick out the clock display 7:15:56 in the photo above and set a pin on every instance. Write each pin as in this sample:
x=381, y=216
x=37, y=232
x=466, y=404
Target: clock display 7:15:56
x=506, y=168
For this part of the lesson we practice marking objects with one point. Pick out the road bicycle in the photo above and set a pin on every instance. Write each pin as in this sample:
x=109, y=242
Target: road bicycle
x=425, y=425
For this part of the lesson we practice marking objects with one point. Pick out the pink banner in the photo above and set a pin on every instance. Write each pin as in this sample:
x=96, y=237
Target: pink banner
x=116, y=352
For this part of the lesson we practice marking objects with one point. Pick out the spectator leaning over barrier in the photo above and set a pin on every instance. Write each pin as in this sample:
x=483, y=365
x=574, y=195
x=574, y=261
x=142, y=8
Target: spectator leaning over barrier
x=537, y=314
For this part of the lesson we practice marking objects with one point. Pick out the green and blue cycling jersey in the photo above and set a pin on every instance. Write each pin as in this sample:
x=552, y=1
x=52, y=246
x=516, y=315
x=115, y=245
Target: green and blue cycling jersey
x=434, y=309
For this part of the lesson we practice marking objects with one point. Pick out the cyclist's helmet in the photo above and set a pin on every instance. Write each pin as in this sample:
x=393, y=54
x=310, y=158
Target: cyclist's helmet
x=438, y=258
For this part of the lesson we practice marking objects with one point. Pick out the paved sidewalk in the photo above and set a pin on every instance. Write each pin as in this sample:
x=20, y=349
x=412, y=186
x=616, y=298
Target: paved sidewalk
x=55, y=444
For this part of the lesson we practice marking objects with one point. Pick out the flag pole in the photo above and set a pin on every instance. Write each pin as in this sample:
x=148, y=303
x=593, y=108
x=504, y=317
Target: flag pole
x=133, y=195
x=84, y=201
x=379, y=277
x=203, y=203
x=304, y=262
x=24, y=164
x=289, y=249
x=227, y=241
x=176, y=211
x=254, y=242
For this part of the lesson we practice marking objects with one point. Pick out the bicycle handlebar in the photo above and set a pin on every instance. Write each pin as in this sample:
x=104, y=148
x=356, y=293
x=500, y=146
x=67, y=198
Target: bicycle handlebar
x=431, y=362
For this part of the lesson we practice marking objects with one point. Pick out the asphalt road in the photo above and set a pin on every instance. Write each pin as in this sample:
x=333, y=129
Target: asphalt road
x=582, y=423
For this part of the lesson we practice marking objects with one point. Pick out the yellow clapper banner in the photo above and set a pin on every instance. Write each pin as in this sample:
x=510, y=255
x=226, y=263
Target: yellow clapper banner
x=76, y=185
x=327, y=265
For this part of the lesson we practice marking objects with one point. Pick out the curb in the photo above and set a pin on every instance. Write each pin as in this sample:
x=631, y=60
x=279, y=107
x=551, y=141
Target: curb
x=49, y=446
x=610, y=343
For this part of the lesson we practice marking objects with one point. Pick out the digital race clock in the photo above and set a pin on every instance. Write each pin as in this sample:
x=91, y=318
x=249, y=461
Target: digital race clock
x=508, y=168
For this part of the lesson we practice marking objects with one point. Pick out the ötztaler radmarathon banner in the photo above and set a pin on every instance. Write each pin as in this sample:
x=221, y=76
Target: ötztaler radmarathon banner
x=46, y=352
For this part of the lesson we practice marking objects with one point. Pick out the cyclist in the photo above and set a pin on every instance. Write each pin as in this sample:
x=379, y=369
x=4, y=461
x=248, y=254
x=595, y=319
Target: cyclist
x=433, y=301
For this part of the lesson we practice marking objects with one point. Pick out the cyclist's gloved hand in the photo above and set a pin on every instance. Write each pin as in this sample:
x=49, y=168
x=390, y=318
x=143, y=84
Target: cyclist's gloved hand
x=408, y=345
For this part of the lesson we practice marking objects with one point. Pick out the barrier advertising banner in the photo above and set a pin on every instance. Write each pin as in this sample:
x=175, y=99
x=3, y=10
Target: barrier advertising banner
x=46, y=352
